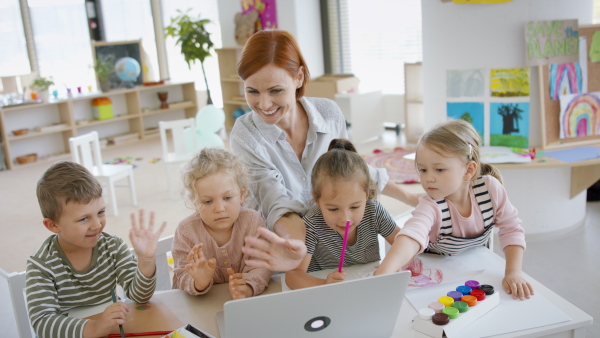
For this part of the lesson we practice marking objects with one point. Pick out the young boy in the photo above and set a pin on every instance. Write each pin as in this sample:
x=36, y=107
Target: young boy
x=79, y=264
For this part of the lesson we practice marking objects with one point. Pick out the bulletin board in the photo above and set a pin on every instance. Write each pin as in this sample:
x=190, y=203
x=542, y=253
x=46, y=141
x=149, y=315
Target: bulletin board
x=551, y=108
x=116, y=51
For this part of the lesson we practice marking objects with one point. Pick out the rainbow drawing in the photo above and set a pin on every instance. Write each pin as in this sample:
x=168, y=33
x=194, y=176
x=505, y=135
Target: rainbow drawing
x=579, y=115
x=565, y=78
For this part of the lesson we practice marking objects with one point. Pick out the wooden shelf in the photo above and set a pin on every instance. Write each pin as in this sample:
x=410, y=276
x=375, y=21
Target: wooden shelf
x=34, y=133
x=171, y=108
x=67, y=110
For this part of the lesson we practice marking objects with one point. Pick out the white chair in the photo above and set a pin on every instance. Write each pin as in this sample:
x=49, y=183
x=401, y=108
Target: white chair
x=85, y=150
x=16, y=287
x=180, y=151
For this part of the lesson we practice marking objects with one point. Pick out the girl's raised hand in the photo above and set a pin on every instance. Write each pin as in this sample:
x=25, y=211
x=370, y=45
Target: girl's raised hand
x=237, y=284
x=335, y=277
x=517, y=286
x=199, y=268
x=144, y=240
x=273, y=252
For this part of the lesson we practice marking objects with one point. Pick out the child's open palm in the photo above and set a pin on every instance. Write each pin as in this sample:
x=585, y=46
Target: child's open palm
x=517, y=286
x=199, y=268
x=237, y=284
x=144, y=240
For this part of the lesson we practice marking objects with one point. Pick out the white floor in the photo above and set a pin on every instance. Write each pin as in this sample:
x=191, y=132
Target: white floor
x=567, y=265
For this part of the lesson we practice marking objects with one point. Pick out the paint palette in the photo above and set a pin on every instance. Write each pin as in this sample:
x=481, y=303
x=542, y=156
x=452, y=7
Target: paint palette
x=458, y=308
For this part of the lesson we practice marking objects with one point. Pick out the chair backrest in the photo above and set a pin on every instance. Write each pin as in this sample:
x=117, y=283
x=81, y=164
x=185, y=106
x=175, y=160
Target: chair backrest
x=16, y=287
x=178, y=134
x=85, y=150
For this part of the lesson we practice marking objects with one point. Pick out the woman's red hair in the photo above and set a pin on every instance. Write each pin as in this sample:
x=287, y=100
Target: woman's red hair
x=274, y=47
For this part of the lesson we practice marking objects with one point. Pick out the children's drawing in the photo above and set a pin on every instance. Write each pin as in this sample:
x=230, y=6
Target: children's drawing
x=509, y=82
x=465, y=83
x=565, y=78
x=471, y=112
x=423, y=276
x=509, y=124
x=569, y=78
x=580, y=115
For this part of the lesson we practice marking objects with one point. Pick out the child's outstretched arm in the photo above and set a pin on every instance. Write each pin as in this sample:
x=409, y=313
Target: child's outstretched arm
x=144, y=242
x=298, y=278
x=513, y=281
x=402, y=252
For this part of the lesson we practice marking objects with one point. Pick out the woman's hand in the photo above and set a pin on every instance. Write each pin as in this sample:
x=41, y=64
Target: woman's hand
x=273, y=252
x=517, y=286
x=199, y=268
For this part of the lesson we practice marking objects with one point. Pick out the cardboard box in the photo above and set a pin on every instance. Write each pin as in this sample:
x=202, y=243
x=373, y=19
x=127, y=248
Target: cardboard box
x=330, y=84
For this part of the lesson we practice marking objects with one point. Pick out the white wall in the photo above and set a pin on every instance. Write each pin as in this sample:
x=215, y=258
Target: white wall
x=484, y=36
x=302, y=18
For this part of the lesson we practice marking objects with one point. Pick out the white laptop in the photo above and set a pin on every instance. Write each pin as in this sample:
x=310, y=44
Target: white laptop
x=366, y=307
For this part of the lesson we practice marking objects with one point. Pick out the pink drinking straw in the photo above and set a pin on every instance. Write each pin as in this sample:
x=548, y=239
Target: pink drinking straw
x=341, y=267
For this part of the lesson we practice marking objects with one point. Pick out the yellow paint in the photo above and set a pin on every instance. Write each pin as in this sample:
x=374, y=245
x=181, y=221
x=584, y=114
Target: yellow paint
x=177, y=335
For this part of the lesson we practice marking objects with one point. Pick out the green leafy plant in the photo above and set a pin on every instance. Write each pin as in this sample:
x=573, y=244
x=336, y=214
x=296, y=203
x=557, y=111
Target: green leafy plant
x=194, y=40
x=42, y=83
x=104, y=67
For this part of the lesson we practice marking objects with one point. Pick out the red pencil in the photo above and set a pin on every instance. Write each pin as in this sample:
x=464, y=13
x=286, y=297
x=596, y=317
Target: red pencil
x=138, y=334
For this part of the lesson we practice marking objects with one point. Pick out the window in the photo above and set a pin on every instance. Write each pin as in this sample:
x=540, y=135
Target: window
x=14, y=59
x=178, y=69
x=62, y=42
x=126, y=20
x=373, y=43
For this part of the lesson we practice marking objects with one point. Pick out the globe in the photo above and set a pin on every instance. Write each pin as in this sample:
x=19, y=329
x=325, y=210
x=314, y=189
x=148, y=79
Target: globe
x=127, y=69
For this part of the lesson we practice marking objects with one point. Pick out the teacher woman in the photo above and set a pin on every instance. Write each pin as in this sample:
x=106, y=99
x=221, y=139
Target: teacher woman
x=280, y=141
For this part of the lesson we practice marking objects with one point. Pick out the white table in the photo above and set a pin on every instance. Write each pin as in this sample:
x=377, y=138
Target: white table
x=200, y=311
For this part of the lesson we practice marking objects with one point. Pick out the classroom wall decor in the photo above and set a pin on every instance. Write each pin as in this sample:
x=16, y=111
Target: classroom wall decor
x=579, y=115
x=509, y=124
x=509, y=82
x=267, y=13
x=557, y=134
x=472, y=112
x=569, y=78
x=550, y=42
x=465, y=83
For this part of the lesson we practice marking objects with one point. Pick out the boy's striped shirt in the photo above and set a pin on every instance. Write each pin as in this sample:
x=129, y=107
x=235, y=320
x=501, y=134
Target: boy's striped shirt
x=54, y=287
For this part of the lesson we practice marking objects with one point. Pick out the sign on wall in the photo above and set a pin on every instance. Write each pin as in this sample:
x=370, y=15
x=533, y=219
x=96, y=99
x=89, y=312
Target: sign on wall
x=549, y=42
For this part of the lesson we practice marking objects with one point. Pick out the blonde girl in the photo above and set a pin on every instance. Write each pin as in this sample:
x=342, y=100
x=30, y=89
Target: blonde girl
x=207, y=246
x=343, y=191
x=465, y=200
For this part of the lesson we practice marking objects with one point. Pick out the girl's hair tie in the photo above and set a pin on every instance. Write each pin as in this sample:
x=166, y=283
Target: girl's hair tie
x=339, y=145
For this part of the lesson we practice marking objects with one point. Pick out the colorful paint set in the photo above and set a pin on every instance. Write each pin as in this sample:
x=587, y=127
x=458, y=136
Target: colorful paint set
x=457, y=309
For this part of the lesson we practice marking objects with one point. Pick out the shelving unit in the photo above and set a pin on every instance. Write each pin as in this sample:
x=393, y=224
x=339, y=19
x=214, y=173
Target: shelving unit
x=135, y=111
x=414, y=115
x=231, y=84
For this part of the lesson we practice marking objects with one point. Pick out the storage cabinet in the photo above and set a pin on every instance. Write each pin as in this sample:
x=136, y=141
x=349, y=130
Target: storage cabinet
x=413, y=84
x=231, y=84
x=136, y=115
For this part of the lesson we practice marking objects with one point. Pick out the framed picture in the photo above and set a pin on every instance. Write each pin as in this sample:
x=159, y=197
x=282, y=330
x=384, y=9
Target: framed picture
x=127, y=58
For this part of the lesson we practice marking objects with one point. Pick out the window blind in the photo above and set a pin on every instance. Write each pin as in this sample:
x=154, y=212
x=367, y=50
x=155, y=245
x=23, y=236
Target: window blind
x=374, y=39
x=126, y=20
x=62, y=42
x=14, y=59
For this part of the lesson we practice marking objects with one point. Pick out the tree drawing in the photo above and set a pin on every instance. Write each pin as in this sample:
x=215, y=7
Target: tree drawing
x=467, y=117
x=511, y=114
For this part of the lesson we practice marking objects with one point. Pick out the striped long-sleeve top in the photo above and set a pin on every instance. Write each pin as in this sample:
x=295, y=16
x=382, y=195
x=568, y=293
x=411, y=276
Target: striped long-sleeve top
x=325, y=244
x=54, y=287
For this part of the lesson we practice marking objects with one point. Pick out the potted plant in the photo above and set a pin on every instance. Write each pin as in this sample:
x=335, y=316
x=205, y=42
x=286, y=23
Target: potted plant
x=194, y=40
x=104, y=67
x=41, y=85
